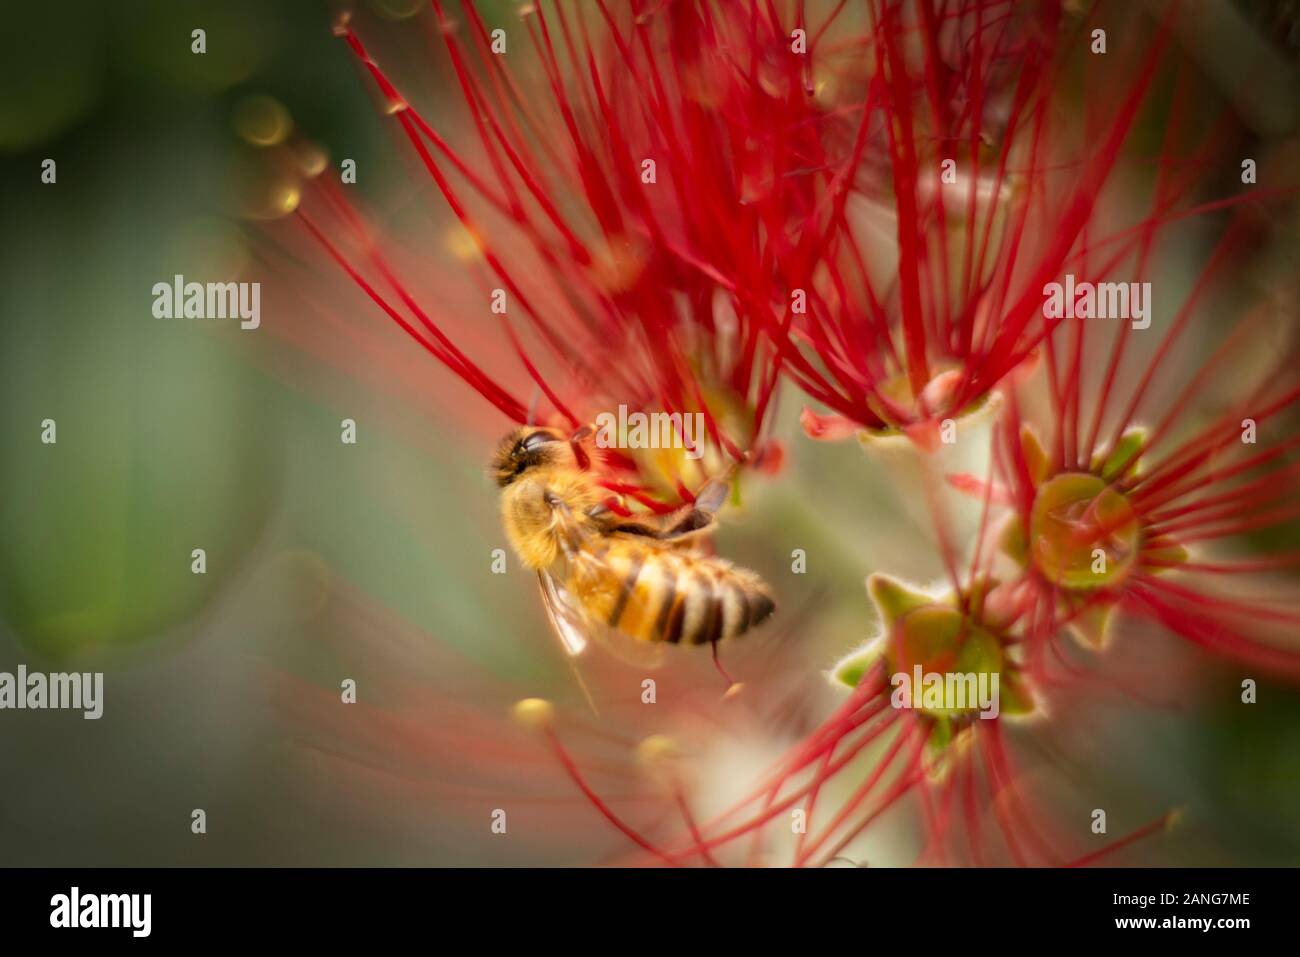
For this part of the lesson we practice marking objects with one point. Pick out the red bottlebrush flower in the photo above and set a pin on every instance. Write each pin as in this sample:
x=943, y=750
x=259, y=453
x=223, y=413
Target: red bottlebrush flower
x=637, y=179
x=681, y=218
x=1161, y=446
x=1150, y=464
x=1146, y=520
x=966, y=192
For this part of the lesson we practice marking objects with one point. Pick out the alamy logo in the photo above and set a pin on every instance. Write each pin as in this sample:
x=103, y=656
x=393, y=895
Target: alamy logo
x=83, y=691
x=103, y=910
x=1103, y=300
x=656, y=430
x=951, y=691
x=179, y=299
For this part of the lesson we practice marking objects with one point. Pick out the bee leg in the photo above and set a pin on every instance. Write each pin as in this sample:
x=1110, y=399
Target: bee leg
x=572, y=535
x=681, y=525
x=690, y=523
x=701, y=515
x=712, y=496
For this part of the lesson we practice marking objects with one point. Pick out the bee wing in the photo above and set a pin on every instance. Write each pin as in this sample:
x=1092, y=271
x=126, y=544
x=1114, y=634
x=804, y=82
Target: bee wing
x=565, y=615
x=569, y=614
x=576, y=627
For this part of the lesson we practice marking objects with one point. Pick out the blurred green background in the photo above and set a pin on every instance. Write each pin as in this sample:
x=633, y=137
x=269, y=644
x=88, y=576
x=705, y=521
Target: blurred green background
x=370, y=562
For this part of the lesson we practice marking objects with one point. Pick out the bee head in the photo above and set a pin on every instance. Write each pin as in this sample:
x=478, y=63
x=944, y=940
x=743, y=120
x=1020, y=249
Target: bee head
x=528, y=448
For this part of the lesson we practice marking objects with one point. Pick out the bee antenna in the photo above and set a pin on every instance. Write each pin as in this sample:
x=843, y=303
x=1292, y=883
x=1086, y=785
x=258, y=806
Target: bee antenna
x=532, y=406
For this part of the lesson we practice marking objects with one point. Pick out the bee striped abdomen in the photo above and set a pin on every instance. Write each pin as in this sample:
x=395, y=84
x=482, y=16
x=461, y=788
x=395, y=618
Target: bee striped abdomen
x=661, y=595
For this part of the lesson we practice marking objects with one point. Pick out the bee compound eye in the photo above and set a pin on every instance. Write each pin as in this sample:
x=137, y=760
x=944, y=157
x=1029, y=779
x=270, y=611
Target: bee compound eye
x=536, y=440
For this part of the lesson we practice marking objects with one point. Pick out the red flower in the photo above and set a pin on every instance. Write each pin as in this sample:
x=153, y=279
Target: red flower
x=678, y=212
x=1153, y=521
x=970, y=193
x=632, y=203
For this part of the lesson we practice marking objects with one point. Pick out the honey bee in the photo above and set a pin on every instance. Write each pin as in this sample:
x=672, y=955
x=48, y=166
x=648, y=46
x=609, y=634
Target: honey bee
x=633, y=584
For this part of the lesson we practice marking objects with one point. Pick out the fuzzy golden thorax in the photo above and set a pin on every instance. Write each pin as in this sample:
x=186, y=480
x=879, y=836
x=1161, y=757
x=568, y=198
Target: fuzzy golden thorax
x=543, y=489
